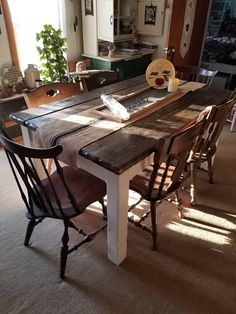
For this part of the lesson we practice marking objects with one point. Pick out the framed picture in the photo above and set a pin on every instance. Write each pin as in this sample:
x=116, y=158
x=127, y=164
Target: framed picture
x=150, y=14
x=151, y=17
x=88, y=7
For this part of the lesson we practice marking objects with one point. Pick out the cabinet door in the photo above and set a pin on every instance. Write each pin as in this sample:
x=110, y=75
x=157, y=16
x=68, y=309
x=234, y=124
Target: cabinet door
x=105, y=18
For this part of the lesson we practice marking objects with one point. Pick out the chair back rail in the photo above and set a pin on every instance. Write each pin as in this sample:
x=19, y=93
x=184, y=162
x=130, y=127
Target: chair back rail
x=166, y=174
x=51, y=92
x=196, y=74
x=212, y=130
x=37, y=196
x=99, y=79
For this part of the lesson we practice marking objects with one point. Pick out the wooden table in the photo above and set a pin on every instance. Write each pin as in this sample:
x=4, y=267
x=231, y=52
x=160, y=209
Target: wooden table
x=117, y=157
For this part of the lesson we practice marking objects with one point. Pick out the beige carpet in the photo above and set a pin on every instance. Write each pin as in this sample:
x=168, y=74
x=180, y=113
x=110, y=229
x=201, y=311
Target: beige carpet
x=193, y=272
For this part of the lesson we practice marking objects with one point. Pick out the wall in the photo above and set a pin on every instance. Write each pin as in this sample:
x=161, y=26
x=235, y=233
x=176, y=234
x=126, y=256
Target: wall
x=73, y=32
x=160, y=41
x=90, y=44
x=5, y=56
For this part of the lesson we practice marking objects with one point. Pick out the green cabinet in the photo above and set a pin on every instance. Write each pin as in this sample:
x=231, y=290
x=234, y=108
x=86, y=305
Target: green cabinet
x=127, y=68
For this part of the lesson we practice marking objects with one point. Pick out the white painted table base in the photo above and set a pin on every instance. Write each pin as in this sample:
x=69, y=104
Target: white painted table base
x=117, y=204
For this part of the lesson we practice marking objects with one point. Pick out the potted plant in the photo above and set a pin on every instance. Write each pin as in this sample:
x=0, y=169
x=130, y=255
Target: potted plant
x=52, y=49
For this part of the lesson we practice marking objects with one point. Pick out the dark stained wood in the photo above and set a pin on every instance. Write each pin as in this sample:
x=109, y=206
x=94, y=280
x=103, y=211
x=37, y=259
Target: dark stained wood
x=124, y=148
x=121, y=149
x=99, y=79
x=43, y=110
x=176, y=28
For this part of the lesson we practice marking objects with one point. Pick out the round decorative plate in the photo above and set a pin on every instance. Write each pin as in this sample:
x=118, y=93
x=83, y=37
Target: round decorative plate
x=10, y=76
x=158, y=73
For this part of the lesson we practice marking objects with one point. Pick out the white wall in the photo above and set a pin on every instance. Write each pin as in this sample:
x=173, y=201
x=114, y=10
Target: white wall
x=74, y=38
x=162, y=40
x=90, y=44
x=5, y=56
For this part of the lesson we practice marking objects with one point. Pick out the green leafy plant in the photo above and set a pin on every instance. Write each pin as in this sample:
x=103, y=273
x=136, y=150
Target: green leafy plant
x=52, y=49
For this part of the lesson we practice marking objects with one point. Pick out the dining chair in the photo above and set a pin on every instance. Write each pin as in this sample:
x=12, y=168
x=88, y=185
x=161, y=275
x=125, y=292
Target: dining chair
x=99, y=79
x=206, y=146
x=51, y=92
x=164, y=177
x=64, y=194
x=194, y=73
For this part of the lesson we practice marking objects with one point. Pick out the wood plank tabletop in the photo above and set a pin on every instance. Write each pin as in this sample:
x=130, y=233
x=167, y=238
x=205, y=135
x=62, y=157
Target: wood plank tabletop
x=33, y=113
x=125, y=147
x=121, y=149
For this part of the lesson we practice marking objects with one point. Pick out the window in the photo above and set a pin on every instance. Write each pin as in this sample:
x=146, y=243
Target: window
x=28, y=18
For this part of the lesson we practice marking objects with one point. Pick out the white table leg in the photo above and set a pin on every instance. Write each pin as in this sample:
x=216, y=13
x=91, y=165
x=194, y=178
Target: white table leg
x=26, y=135
x=117, y=204
x=117, y=209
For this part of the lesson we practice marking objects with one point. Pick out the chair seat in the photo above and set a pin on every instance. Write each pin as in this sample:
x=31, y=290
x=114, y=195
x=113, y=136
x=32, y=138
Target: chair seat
x=140, y=182
x=85, y=188
x=202, y=156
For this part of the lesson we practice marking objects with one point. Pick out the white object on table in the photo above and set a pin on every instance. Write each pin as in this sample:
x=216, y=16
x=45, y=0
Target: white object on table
x=173, y=84
x=115, y=107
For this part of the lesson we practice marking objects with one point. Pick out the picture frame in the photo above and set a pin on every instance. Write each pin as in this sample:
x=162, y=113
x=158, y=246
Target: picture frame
x=88, y=4
x=151, y=17
x=150, y=14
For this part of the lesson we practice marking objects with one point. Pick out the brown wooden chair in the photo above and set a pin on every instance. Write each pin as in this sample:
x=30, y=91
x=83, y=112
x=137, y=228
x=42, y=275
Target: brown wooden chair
x=62, y=195
x=205, y=148
x=51, y=92
x=194, y=73
x=164, y=177
x=99, y=79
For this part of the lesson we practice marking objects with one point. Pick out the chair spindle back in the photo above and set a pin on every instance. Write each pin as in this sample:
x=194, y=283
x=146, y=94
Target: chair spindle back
x=172, y=163
x=33, y=190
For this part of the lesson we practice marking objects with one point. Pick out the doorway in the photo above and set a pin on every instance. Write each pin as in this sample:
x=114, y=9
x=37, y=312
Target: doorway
x=219, y=51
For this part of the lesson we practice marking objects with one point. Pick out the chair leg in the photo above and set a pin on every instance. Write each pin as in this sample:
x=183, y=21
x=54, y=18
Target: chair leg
x=193, y=171
x=64, y=249
x=154, y=224
x=210, y=170
x=31, y=224
x=233, y=121
x=179, y=204
x=104, y=208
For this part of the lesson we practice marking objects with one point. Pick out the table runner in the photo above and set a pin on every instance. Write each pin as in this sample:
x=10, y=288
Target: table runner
x=78, y=130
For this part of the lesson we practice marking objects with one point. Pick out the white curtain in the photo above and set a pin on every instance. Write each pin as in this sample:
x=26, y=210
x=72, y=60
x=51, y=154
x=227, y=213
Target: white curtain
x=28, y=18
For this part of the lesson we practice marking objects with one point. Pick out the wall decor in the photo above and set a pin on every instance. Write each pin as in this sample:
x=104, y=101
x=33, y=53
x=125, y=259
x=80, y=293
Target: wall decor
x=150, y=14
x=187, y=26
x=151, y=17
x=88, y=7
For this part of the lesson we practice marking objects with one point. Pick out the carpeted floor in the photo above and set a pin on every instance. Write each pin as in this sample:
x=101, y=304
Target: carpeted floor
x=194, y=270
